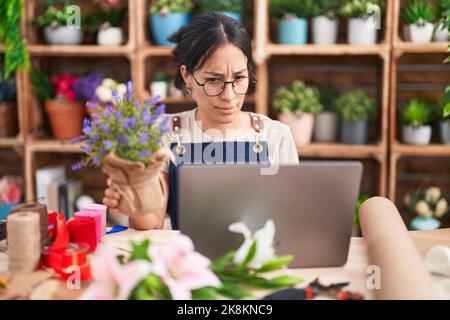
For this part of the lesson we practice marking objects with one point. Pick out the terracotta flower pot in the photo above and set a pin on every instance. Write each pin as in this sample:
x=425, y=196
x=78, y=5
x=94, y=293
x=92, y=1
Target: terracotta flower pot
x=66, y=118
x=301, y=125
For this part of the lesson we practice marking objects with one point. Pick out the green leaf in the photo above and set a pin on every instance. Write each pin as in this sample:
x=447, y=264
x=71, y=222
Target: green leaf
x=275, y=264
x=286, y=281
x=206, y=293
x=222, y=262
x=233, y=291
x=251, y=254
x=139, y=250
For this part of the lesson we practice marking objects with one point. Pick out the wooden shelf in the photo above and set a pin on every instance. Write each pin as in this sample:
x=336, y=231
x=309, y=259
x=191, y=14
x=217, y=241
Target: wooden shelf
x=81, y=50
x=62, y=146
x=338, y=49
x=158, y=51
x=338, y=150
x=11, y=142
x=432, y=150
x=409, y=47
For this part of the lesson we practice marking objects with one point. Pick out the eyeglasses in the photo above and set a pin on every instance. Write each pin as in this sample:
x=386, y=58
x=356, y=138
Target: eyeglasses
x=215, y=87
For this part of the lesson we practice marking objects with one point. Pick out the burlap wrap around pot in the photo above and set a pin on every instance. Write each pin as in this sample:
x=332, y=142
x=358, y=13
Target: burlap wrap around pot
x=142, y=188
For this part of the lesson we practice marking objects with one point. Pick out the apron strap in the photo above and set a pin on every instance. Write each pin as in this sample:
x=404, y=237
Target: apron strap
x=257, y=123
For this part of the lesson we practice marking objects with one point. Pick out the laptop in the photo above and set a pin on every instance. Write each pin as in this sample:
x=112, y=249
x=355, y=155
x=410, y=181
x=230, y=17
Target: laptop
x=312, y=206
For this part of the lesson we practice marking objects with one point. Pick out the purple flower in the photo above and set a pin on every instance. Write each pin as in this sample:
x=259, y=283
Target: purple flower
x=123, y=139
x=77, y=166
x=87, y=128
x=137, y=104
x=105, y=128
x=91, y=105
x=160, y=110
x=85, y=86
x=102, y=152
x=118, y=115
x=129, y=123
x=143, y=138
x=144, y=154
x=95, y=160
x=108, y=112
x=130, y=91
x=164, y=125
x=152, y=101
x=77, y=139
x=96, y=137
x=108, y=144
x=86, y=148
x=116, y=95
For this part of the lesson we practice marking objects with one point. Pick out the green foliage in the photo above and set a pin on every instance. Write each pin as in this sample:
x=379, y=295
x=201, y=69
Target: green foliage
x=54, y=16
x=16, y=55
x=160, y=76
x=113, y=17
x=168, y=6
x=359, y=201
x=139, y=250
x=361, y=8
x=418, y=112
x=235, y=6
x=445, y=104
x=418, y=11
x=355, y=105
x=42, y=85
x=328, y=96
x=296, y=8
x=300, y=98
x=328, y=8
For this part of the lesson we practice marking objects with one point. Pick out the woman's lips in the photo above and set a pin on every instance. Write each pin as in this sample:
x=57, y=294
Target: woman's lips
x=225, y=110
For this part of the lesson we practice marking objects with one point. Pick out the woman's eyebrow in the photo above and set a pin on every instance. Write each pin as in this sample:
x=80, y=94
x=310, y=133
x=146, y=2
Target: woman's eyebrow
x=220, y=74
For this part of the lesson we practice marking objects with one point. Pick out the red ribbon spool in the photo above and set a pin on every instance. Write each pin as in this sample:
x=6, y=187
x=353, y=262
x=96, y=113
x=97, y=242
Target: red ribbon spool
x=82, y=229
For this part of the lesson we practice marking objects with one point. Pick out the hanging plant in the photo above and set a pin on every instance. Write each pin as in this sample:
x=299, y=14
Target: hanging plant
x=16, y=55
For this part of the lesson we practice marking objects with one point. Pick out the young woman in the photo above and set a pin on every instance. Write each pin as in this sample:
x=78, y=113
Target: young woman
x=215, y=67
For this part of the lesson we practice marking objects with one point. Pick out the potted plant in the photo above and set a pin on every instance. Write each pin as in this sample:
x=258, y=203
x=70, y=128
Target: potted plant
x=416, y=117
x=419, y=16
x=57, y=26
x=8, y=108
x=107, y=20
x=361, y=29
x=296, y=107
x=325, y=21
x=429, y=205
x=292, y=20
x=159, y=85
x=65, y=113
x=174, y=91
x=355, y=109
x=441, y=32
x=326, y=122
x=445, y=117
x=231, y=8
x=166, y=17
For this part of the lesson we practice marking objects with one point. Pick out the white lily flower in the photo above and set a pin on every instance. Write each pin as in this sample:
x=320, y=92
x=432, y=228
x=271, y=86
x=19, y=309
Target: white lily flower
x=108, y=82
x=264, y=243
x=121, y=89
x=103, y=93
x=441, y=208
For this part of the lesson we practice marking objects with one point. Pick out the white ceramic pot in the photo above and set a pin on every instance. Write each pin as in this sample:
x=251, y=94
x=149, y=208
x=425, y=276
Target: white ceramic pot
x=421, y=33
x=63, y=35
x=416, y=135
x=441, y=34
x=159, y=88
x=361, y=32
x=325, y=30
x=301, y=126
x=325, y=127
x=444, y=127
x=110, y=36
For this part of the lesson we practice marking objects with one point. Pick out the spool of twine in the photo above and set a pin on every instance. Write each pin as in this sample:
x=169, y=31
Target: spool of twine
x=41, y=209
x=24, y=246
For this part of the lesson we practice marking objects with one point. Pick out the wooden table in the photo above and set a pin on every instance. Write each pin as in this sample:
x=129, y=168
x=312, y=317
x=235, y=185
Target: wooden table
x=354, y=271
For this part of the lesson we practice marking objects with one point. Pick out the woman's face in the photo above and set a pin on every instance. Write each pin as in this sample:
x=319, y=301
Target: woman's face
x=227, y=63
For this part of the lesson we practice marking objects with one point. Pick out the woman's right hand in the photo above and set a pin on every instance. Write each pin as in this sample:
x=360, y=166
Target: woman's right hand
x=112, y=197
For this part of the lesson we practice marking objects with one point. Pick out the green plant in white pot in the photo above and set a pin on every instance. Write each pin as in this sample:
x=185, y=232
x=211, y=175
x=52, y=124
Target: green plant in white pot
x=231, y=8
x=159, y=85
x=416, y=117
x=419, y=16
x=363, y=20
x=325, y=21
x=326, y=122
x=296, y=107
x=355, y=108
x=445, y=117
x=441, y=32
x=60, y=25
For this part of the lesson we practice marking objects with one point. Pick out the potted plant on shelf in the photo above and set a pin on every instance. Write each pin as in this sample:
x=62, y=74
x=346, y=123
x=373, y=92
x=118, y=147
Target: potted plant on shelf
x=159, y=85
x=59, y=25
x=231, y=8
x=8, y=108
x=107, y=20
x=174, y=91
x=419, y=16
x=325, y=21
x=296, y=107
x=355, y=109
x=65, y=113
x=445, y=117
x=326, y=122
x=362, y=15
x=166, y=17
x=429, y=205
x=292, y=20
x=416, y=117
x=441, y=32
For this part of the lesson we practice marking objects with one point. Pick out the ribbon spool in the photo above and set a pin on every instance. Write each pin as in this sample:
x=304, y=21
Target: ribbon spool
x=82, y=229
x=23, y=236
x=100, y=208
x=98, y=220
x=39, y=208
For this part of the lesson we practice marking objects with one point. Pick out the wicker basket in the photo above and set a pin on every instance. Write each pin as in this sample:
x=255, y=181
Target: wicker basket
x=8, y=119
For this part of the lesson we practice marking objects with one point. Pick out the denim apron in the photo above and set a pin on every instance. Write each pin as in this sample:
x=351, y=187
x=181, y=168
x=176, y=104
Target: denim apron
x=225, y=152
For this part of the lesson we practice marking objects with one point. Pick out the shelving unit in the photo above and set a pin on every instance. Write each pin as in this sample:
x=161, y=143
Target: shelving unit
x=399, y=151
x=379, y=73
